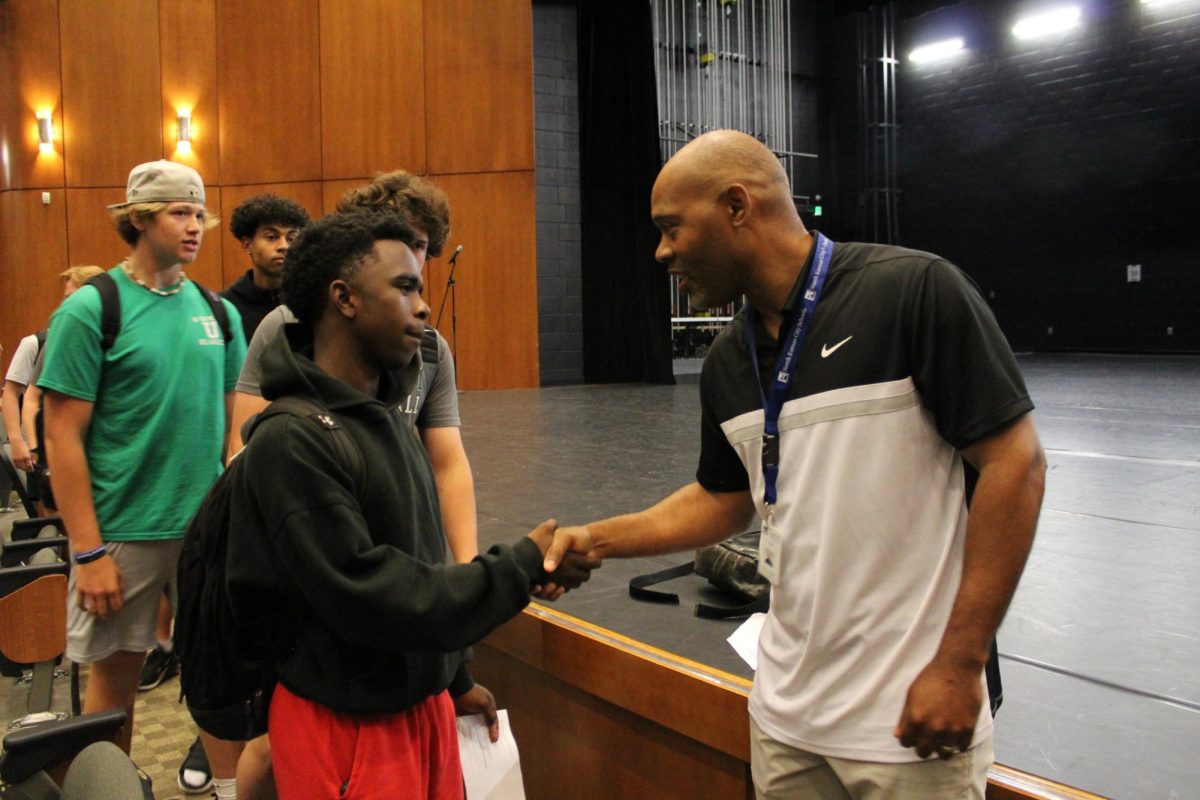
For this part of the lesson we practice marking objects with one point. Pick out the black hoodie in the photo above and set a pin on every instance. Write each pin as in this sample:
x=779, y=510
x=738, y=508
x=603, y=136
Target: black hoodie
x=355, y=576
x=251, y=301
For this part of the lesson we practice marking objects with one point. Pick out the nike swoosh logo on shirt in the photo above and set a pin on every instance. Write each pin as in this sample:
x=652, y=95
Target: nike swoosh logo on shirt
x=826, y=350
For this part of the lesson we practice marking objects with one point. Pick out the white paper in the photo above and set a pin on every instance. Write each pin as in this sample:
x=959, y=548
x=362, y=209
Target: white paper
x=745, y=639
x=491, y=771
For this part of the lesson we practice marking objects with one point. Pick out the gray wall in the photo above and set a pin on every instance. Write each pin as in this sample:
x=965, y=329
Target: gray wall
x=556, y=124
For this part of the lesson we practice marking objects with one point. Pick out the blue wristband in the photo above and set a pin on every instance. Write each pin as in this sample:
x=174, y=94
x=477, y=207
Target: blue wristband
x=89, y=556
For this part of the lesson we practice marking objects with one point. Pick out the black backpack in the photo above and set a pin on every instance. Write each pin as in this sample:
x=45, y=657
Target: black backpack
x=227, y=674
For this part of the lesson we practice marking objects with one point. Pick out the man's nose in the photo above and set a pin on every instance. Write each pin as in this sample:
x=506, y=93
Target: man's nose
x=662, y=253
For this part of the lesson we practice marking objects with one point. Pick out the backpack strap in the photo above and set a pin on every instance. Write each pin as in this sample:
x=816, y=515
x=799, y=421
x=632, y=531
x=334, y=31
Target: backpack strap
x=40, y=336
x=110, y=308
x=429, y=356
x=305, y=407
x=218, y=310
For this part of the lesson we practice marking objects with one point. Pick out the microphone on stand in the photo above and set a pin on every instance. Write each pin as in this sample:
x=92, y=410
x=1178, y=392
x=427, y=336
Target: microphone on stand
x=450, y=284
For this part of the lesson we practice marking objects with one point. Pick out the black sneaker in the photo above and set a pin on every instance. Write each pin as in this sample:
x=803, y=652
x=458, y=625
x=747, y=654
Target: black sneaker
x=160, y=665
x=195, y=775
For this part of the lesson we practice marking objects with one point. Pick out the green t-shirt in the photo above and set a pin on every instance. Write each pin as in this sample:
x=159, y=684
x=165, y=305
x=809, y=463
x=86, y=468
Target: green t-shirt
x=158, y=421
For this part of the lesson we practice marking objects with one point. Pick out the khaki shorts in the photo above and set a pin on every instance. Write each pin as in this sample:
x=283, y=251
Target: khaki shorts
x=147, y=569
x=782, y=771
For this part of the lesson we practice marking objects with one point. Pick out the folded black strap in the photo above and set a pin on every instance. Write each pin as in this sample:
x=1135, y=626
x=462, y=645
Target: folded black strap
x=705, y=611
x=638, y=590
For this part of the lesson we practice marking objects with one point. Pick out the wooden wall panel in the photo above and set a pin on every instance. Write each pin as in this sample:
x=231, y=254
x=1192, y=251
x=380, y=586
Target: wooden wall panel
x=188, y=37
x=32, y=252
x=111, y=89
x=332, y=191
x=29, y=58
x=270, y=124
x=478, y=86
x=234, y=260
x=372, y=87
x=91, y=236
x=493, y=217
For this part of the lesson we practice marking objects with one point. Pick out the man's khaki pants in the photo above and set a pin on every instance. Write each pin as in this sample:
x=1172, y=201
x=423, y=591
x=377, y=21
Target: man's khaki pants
x=783, y=772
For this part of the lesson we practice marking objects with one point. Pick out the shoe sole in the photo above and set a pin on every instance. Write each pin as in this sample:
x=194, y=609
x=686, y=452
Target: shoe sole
x=145, y=687
x=190, y=790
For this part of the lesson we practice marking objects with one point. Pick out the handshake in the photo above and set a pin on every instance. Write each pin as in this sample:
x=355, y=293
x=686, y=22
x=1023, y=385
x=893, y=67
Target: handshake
x=568, y=558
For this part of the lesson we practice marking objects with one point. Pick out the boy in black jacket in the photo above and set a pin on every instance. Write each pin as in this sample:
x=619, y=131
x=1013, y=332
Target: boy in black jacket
x=347, y=569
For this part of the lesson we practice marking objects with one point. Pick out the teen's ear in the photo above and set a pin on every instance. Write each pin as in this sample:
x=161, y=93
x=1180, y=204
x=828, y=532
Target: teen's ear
x=246, y=240
x=341, y=295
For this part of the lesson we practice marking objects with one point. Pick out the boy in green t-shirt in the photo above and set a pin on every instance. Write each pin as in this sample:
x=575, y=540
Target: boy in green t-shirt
x=136, y=431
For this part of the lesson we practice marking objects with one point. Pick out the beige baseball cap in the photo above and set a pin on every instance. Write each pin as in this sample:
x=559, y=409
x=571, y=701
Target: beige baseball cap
x=162, y=182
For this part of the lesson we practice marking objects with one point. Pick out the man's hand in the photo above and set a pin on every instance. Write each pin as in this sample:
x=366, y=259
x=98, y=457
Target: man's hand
x=22, y=458
x=569, y=561
x=98, y=587
x=478, y=700
x=941, y=710
x=577, y=539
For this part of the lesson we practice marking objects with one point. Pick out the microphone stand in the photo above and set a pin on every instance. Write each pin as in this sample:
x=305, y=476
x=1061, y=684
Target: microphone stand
x=450, y=292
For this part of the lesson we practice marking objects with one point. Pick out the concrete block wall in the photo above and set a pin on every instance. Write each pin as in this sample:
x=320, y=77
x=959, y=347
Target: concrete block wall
x=556, y=126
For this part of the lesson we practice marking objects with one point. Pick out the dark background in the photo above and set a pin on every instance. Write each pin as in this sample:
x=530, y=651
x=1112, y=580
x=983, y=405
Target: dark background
x=1043, y=168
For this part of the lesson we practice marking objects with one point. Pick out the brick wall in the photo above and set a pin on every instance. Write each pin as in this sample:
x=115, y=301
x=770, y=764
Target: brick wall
x=556, y=123
x=1044, y=169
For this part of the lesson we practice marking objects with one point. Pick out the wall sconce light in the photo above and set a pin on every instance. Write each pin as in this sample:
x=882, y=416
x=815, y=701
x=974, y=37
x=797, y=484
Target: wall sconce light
x=45, y=132
x=184, y=139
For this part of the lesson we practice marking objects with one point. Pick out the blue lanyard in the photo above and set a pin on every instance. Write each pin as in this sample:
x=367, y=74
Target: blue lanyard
x=773, y=401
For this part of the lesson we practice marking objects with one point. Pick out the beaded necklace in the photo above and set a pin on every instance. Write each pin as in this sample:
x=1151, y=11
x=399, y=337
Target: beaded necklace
x=175, y=288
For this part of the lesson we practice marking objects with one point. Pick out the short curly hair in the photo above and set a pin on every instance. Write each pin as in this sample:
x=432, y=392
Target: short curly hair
x=333, y=248
x=423, y=205
x=265, y=209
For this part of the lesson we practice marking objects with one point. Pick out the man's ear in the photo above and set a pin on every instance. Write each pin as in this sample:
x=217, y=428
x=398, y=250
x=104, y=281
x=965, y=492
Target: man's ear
x=342, y=297
x=737, y=202
x=246, y=240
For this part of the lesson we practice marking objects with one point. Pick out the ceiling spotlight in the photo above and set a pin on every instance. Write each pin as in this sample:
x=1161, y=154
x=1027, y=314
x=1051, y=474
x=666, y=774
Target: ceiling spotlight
x=1047, y=23
x=936, y=51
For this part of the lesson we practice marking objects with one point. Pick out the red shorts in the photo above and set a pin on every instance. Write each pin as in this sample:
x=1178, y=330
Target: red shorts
x=320, y=754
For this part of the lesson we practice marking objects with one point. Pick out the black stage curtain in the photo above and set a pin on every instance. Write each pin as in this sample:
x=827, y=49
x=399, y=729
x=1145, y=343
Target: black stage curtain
x=626, y=301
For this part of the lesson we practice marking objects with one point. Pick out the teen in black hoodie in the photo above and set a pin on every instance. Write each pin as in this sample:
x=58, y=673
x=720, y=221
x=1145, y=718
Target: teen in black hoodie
x=351, y=577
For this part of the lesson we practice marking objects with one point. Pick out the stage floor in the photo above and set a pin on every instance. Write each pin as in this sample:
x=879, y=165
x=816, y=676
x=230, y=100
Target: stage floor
x=1100, y=647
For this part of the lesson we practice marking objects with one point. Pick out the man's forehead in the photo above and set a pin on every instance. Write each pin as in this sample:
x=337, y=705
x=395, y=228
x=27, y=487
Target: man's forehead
x=665, y=192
